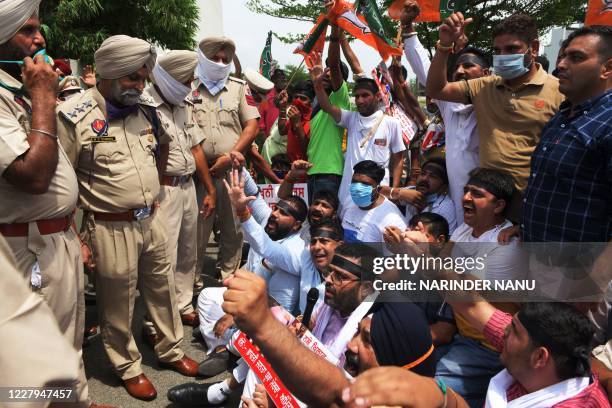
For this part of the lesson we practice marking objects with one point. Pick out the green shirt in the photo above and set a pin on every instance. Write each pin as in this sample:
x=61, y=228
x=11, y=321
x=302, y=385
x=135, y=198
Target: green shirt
x=325, y=146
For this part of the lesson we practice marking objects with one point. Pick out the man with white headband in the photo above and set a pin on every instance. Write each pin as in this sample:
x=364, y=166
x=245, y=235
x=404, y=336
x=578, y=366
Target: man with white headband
x=227, y=114
x=172, y=76
x=114, y=144
x=38, y=187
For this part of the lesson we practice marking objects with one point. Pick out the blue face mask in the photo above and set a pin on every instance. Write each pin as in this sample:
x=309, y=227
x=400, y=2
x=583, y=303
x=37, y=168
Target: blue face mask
x=361, y=194
x=43, y=52
x=511, y=66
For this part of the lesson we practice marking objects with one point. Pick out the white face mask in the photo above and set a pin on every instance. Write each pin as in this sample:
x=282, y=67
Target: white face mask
x=172, y=90
x=208, y=70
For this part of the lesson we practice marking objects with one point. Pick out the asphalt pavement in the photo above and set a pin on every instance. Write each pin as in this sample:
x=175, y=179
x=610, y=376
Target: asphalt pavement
x=106, y=388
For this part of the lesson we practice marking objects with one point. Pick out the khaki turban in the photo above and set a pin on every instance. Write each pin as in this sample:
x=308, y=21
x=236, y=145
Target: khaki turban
x=13, y=15
x=179, y=64
x=121, y=55
x=211, y=45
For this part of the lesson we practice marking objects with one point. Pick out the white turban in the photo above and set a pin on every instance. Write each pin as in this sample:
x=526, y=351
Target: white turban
x=13, y=15
x=121, y=55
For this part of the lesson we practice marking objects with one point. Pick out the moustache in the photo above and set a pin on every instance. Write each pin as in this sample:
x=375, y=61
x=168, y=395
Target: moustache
x=131, y=92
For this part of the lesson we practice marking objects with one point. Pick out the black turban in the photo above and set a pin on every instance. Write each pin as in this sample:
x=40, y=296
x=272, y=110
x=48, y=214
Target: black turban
x=401, y=337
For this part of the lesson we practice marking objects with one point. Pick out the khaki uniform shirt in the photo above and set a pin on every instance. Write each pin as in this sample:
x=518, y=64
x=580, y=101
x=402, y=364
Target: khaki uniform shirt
x=510, y=121
x=114, y=160
x=179, y=124
x=17, y=205
x=221, y=116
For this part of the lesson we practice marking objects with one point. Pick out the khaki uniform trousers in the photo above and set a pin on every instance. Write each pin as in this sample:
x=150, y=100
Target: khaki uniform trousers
x=178, y=211
x=34, y=352
x=61, y=285
x=129, y=256
x=231, y=237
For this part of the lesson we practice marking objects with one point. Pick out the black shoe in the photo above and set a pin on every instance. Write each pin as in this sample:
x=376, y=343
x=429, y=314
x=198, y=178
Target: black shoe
x=190, y=394
x=197, y=334
x=214, y=364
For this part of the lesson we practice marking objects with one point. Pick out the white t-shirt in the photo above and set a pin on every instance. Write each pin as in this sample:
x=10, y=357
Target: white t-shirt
x=386, y=140
x=501, y=262
x=368, y=225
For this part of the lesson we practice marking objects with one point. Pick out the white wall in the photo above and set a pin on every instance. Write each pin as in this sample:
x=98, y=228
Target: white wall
x=211, y=19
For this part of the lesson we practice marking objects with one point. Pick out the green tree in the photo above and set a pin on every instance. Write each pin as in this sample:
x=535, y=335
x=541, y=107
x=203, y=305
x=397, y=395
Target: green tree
x=76, y=28
x=300, y=75
x=486, y=14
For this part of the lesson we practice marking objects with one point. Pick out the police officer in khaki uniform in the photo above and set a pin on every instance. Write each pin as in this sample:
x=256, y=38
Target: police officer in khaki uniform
x=172, y=76
x=50, y=361
x=112, y=142
x=38, y=187
x=226, y=112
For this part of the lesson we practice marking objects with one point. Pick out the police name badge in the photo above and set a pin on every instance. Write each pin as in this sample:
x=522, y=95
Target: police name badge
x=100, y=128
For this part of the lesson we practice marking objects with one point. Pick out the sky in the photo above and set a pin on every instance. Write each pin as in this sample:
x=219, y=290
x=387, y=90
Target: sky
x=249, y=30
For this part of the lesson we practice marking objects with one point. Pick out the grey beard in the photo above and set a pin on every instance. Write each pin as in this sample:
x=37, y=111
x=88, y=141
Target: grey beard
x=128, y=97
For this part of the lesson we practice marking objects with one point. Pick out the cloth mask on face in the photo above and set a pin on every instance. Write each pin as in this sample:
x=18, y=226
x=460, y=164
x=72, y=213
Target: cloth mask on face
x=42, y=52
x=212, y=74
x=361, y=194
x=511, y=66
x=172, y=90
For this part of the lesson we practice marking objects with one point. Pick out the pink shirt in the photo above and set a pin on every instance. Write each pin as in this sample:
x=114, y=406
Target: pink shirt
x=592, y=396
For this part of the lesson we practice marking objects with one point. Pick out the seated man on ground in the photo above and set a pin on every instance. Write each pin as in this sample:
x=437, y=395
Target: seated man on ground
x=439, y=314
x=545, y=351
x=487, y=197
x=429, y=195
x=369, y=212
x=281, y=225
x=349, y=295
x=324, y=202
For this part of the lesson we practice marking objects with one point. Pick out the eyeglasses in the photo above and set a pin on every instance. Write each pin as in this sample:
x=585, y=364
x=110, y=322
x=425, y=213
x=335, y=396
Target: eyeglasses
x=337, y=278
x=302, y=98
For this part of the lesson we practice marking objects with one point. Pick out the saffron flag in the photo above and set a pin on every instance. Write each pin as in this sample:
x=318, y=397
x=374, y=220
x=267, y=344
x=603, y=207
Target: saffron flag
x=599, y=13
x=364, y=22
x=265, y=61
x=431, y=10
x=315, y=40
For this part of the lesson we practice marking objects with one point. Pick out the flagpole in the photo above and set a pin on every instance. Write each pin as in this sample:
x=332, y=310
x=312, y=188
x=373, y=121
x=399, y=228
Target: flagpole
x=294, y=73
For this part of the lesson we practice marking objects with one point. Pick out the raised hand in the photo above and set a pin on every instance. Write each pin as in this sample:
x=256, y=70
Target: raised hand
x=89, y=76
x=235, y=190
x=410, y=11
x=283, y=99
x=453, y=28
x=316, y=72
x=294, y=115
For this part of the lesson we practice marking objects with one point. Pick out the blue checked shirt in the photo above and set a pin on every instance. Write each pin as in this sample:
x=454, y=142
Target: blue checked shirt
x=569, y=195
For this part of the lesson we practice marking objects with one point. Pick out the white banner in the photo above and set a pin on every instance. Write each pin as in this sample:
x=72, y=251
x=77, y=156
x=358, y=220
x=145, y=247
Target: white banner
x=269, y=192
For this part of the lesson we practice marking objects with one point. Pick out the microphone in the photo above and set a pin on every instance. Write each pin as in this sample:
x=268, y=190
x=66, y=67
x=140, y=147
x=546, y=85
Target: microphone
x=311, y=299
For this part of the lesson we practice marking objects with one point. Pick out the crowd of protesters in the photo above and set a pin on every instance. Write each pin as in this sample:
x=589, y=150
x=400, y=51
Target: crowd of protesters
x=161, y=154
